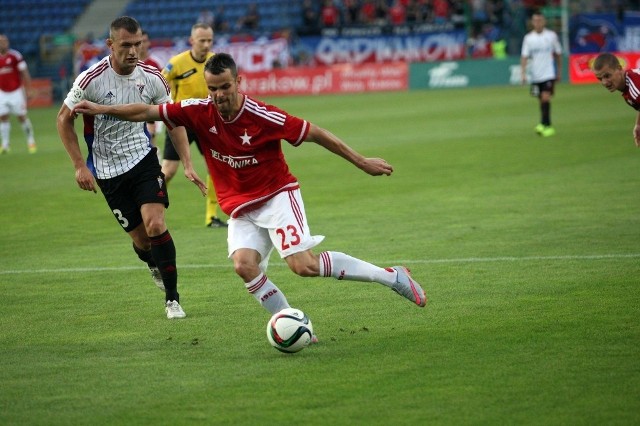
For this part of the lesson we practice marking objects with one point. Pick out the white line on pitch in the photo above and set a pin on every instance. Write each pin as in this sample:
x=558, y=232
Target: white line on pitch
x=405, y=262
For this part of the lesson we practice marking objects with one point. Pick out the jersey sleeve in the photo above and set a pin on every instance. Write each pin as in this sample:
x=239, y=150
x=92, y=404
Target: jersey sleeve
x=294, y=130
x=77, y=93
x=297, y=130
x=172, y=115
x=633, y=86
x=556, y=45
x=162, y=93
x=166, y=71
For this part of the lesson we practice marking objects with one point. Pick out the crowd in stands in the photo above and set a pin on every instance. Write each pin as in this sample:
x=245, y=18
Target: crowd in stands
x=487, y=22
x=332, y=13
x=318, y=14
x=248, y=22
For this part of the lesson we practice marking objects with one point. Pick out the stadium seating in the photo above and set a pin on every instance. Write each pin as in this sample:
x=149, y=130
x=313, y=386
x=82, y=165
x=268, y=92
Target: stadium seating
x=171, y=19
x=25, y=21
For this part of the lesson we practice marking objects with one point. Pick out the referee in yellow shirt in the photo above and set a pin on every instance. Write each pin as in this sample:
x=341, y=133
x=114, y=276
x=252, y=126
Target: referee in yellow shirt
x=185, y=75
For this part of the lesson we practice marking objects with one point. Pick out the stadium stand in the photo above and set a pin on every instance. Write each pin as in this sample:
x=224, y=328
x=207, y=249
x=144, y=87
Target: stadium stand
x=168, y=19
x=26, y=21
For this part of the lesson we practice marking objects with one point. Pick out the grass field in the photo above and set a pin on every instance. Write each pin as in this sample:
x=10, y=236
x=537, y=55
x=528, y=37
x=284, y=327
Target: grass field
x=528, y=248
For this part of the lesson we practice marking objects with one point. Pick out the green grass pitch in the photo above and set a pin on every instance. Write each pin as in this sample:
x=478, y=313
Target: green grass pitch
x=528, y=249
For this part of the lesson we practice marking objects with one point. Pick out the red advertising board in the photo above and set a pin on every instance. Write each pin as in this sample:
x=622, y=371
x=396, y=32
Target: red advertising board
x=344, y=78
x=580, y=65
x=41, y=93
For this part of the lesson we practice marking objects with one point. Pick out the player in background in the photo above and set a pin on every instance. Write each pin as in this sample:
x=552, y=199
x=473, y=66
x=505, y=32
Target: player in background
x=121, y=159
x=184, y=72
x=152, y=126
x=15, y=88
x=542, y=52
x=613, y=77
x=242, y=137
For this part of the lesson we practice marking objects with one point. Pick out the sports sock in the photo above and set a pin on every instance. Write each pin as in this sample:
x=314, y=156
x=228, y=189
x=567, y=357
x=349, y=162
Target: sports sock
x=28, y=130
x=344, y=267
x=163, y=251
x=545, y=110
x=5, y=130
x=267, y=293
x=211, y=202
x=144, y=255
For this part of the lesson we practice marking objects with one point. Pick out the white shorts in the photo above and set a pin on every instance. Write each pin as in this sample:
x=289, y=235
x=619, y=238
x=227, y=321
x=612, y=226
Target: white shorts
x=13, y=103
x=280, y=223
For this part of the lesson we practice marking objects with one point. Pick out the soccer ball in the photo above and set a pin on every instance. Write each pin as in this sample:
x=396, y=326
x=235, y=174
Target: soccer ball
x=289, y=330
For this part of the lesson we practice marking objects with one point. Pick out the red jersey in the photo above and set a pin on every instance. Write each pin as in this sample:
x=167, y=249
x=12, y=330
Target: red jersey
x=244, y=155
x=397, y=14
x=153, y=63
x=330, y=16
x=11, y=64
x=631, y=93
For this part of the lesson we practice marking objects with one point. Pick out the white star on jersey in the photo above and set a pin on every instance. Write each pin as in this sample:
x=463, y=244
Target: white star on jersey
x=246, y=139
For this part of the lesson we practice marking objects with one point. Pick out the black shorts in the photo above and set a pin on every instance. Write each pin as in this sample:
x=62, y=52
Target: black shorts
x=143, y=184
x=170, y=152
x=545, y=86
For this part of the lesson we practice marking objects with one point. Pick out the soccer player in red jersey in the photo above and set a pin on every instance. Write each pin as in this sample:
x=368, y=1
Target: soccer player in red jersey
x=613, y=77
x=15, y=83
x=241, y=138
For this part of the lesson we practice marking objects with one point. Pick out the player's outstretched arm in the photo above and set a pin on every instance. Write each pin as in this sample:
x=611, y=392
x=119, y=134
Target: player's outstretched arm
x=636, y=131
x=181, y=144
x=523, y=69
x=372, y=166
x=129, y=112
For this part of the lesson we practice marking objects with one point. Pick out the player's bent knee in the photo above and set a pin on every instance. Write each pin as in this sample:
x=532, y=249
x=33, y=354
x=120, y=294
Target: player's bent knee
x=155, y=227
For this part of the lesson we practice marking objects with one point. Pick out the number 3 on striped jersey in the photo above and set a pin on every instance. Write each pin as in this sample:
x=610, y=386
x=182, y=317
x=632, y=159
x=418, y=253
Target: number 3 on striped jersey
x=288, y=236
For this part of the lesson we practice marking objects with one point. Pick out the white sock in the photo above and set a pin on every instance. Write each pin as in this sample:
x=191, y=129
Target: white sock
x=344, y=267
x=267, y=293
x=28, y=130
x=5, y=129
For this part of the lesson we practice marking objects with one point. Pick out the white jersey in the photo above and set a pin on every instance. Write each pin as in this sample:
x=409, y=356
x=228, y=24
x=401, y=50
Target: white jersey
x=116, y=146
x=540, y=49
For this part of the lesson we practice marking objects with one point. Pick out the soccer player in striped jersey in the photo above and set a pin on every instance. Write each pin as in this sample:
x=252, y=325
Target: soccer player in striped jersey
x=185, y=74
x=613, y=77
x=121, y=159
x=542, y=52
x=241, y=138
x=15, y=85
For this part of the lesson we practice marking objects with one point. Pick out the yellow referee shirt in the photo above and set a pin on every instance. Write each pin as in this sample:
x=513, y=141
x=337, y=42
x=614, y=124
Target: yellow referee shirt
x=185, y=76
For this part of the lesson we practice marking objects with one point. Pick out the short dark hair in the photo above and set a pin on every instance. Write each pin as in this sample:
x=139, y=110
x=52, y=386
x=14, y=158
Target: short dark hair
x=201, y=25
x=124, y=22
x=605, y=59
x=220, y=62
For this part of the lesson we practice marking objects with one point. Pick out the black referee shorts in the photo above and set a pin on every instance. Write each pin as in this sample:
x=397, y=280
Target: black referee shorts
x=170, y=152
